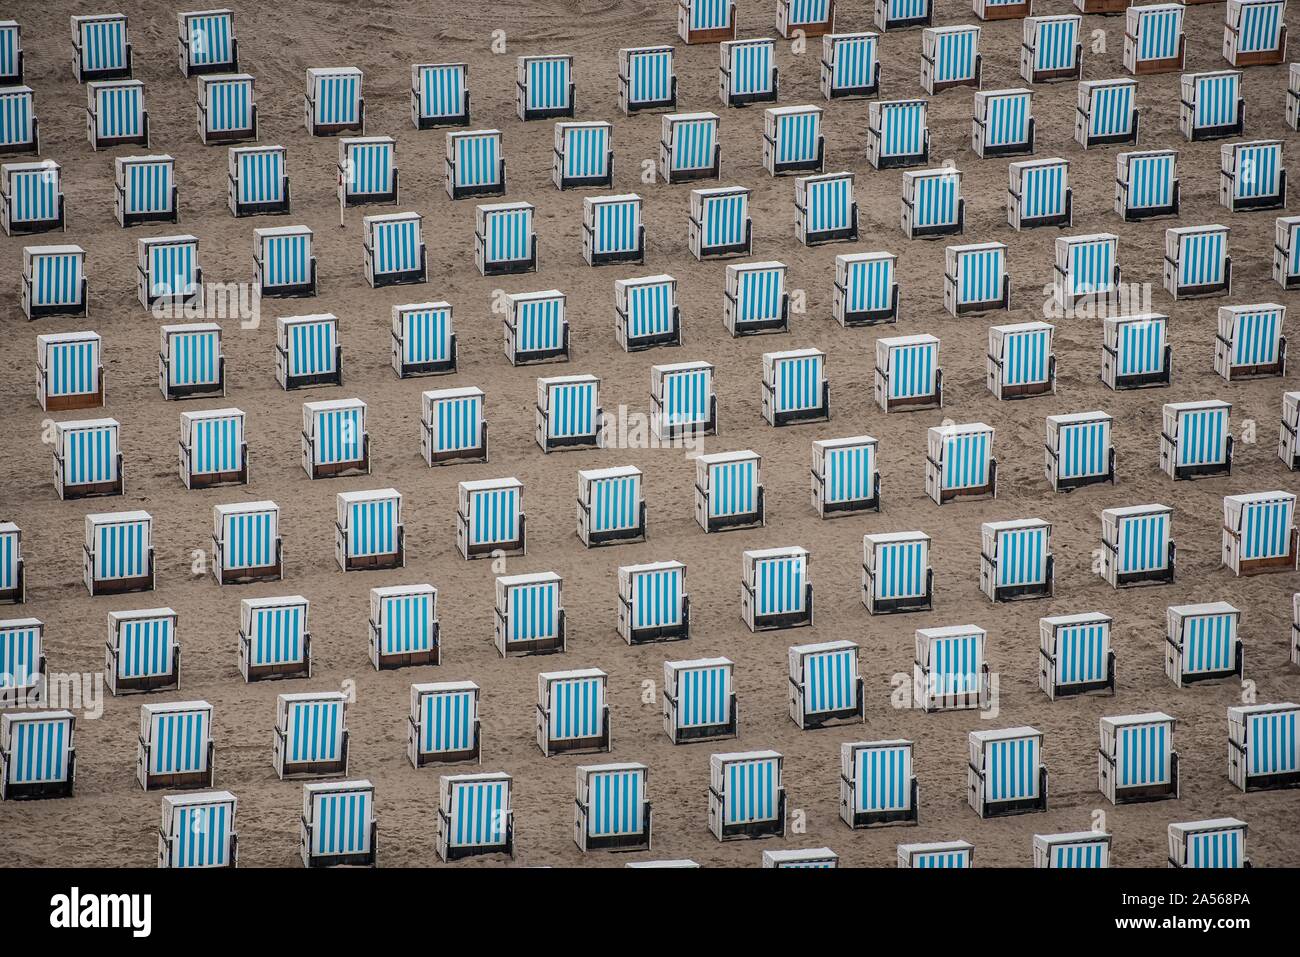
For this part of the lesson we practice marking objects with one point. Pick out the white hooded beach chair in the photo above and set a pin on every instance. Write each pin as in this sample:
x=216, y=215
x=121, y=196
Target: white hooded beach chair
x=1002, y=123
x=206, y=42
x=1217, y=843
x=12, y=565
x=168, y=278
x=490, y=518
x=793, y=140
x=1211, y=105
x=950, y=57
x=959, y=462
x=308, y=351
x=1074, y=655
x=284, y=261
x=812, y=18
x=403, y=626
x=257, y=181
x=198, y=830
x=1154, y=41
x=1087, y=273
x=898, y=133
x=246, y=543
x=54, y=282
x=423, y=339
x=1203, y=643
x=932, y=203
x=475, y=815
x=706, y=21
x=504, y=239
x=729, y=491
x=825, y=210
x=23, y=663
x=11, y=52
x=453, y=426
x=116, y=114
x=118, y=554
x=824, y=684
x=689, y=147
x=572, y=711
x=212, y=448
x=1263, y=753
x=335, y=440
x=1137, y=545
x=444, y=726
x=439, y=95
x=583, y=155
x=1250, y=343
x=338, y=827
x=1196, y=261
x=755, y=299
x=536, y=327
x=101, y=47
x=529, y=615
x=908, y=375
x=1050, y=47
x=1136, y=353
x=975, y=278
x=311, y=734
x=683, y=402
x=896, y=572
x=653, y=604
x=333, y=102
x=1288, y=446
x=37, y=755
x=175, y=745
x=1081, y=849
x=368, y=172
x=850, y=65
x=611, y=506
x=1252, y=176
x=747, y=795
x=775, y=588
x=866, y=289
x=1079, y=450
x=568, y=413
x=943, y=854
x=1039, y=193
x=795, y=387
x=899, y=14
x=699, y=700
x=845, y=475
x=393, y=249
x=69, y=371
x=274, y=640
x=646, y=313
x=748, y=72
x=19, y=129
x=1286, y=252
x=1254, y=32
x=612, y=231
x=646, y=79
x=1006, y=774
x=1016, y=559
x=719, y=223
x=88, y=458
x=31, y=198
x=1147, y=185
x=612, y=809
x=950, y=672
x=191, y=361
x=1259, y=532
x=1020, y=361
x=544, y=87
x=877, y=785
x=368, y=530
x=226, y=108
x=1106, y=112
x=1136, y=760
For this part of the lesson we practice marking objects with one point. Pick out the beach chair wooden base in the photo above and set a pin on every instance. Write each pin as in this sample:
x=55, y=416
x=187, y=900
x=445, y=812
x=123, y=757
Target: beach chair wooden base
x=503, y=267
x=898, y=606
x=1202, y=677
x=1062, y=220
x=1128, y=138
x=708, y=732
x=752, y=829
x=389, y=198
x=124, y=586
x=870, y=317
x=85, y=75
x=241, y=210
x=371, y=563
x=391, y=661
x=897, y=160
x=313, y=379
x=1159, y=576
x=905, y=817
x=1273, y=782
x=776, y=622
x=1023, y=806
x=118, y=685
x=1003, y=302
x=19, y=147
x=1263, y=566
x=1198, y=292
x=671, y=337
x=741, y=100
x=729, y=523
x=763, y=326
x=666, y=105
x=34, y=311
x=188, y=780
x=32, y=695
x=916, y=403
x=743, y=248
x=224, y=137
x=1056, y=76
x=410, y=370
x=98, y=142
x=551, y=645
x=1114, y=7
x=295, y=291
x=777, y=418
x=456, y=456
x=334, y=129
x=433, y=122
x=1070, y=484
x=1106, y=686
x=288, y=669
x=1141, y=214
x=497, y=188
x=620, y=843
x=1024, y=148
x=1043, y=589
x=621, y=536
x=424, y=759
x=243, y=576
x=831, y=719
x=691, y=175
x=935, y=87
x=94, y=489
x=1147, y=380
x=1006, y=11
x=1223, y=131
x=648, y=636
x=550, y=747
x=471, y=550
x=634, y=255
x=815, y=165
x=403, y=278
x=40, y=790
x=1255, y=203
x=849, y=506
x=368, y=859
x=322, y=470
x=1173, y=64
x=1154, y=792
x=1259, y=57
x=16, y=595
x=555, y=113
x=309, y=769
x=586, y=182
x=942, y=496
x=453, y=853
x=668, y=432
x=866, y=92
x=28, y=227
x=955, y=228
x=849, y=234
x=198, y=390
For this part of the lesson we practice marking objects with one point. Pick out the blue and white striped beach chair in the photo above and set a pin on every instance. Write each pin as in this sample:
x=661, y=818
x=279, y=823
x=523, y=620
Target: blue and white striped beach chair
x=69, y=371
x=258, y=181
x=115, y=114
x=338, y=827
x=653, y=604
x=612, y=808
x=583, y=155
x=1254, y=32
x=908, y=375
x=1250, y=343
x=845, y=475
x=198, y=830
x=748, y=72
x=950, y=57
x=850, y=65
x=949, y=671
x=572, y=711
x=308, y=351
x=792, y=139
x=37, y=756
x=568, y=412
x=475, y=815
x=1006, y=774
x=1154, y=41
x=453, y=426
x=1218, y=843
x=423, y=339
x=1078, y=450
x=504, y=239
x=439, y=95
x=475, y=164
x=1003, y=123
x=706, y=21
x=393, y=249
x=795, y=387
x=19, y=129
x=896, y=573
x=144, y=189
x=1135, y=351
x=699, y=700
x=1087, y=273
x=755, y=300
x=719, y=223
x=1252, y=176
x=1146, y=184
x=897, y=133
x=11, y=52
x=206, y=42
x=212, y=448
x=1075, y=656
x=1286, y=251
x=529, y=615
x=811, y=18
x=246, y=543
x=118, y=554
x=168, y=280
x=1020, y=361
x=1039, y=193
x=944, y=854
x=274, y=640
x=1136, y=760
x=689, y=147
x=877, y=785
x=975, y=278
x=898, y=14
x=611, y=506
x=443, y=726
x=1106, y=113
x=490, y=519
x=682, y=400
x=284, y=261
x=175, y=746
x=1288, y=447
x=536, y=327
x=932, y=203
x=101, y=47
x=1077, y=849
x=22, y=663
x=729, y=491
x=1050, y=48
x=368, y=530
x=865, y=289
x=31, y=198
x=1137, y=546
x=1203, y=643
x=1197, y=262
x=333, y=102
x=646, y=79
x=825, y=210
x=775, y=588
x=612, y=231
x=1002, y=9
x=368, y=171
x=544, y=87
x=403, y=626
x=1016, y=559
x=824, y=684
x=1263, y=747
x=143, y=652
x=13, y=590
x=1211, y=105
x=88, y=458
x=1259, y=532
x=747, y=795
x=311, y=734
x=226, y=107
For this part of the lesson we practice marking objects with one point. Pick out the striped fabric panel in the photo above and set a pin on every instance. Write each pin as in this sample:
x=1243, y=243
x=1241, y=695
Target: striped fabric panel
x=314, y=731
x=830, y=204
x=649, y=76
x=1043, y=191
x=733, y=489
x=709, y=14
x=752, y=67
x=1209, y=643
x=540, y=325
x=849, y=474
x=903, y=127
x=194, y=357
x=1007, y=123
x=103, y=44
x=447, y=721
x=797, y=137
x=249, y=540
x=723, y=219
x=533, y=611
x=1144, y=543
x=277, y=636
x=650, y=309
x=1202, y=258
x=1271, y=743
x=1266, y=528
x=586, y=151
x=750, y=791
x=261, y=177
x=494, y=516
x=286, y=260
x=617, y=803
x=210, y=38
x=1259, y=27
x=338, y=435
x=406, y=623
x=912, y=370
x=397, y=245
x=1258, y=170
x=576, y=708
x=369, y=169
x=901, y=569
x=954, y=55
x=41, y=750
x=477, y=158
x=509, y=235
x=1026, y=357
x=1055, y=43
x=90, y=455
x=883, y=778
x=692, y=143
x=217, y=445
x=704, y=697
x=458, y=424
x=615, y=503
x=760, y=294
x=1011, y=770
x=1113, y=110
x=1084, y=450
x=1157, y=33
x=173, y=269
x=1142, y=755
x=20, y=655
x=201, y=835
x=478, y=813
x=799, y=382
x=547, y=84
x=1142, y=347
x=1151, y=180
x=657, y=597
x=779, y=584
x=935, y=200
x=56, y=279
x=119, y=111
x=17, y=116
x=442, y=90
x=73, y=368
x=312, y=347
x=229, y=106
x=341, y=823
x=372, y=528
x=617, y=226
x=1202, y=436
x=145, y=647
x=179, y=742
x=830, y=681
x=426, y=335
x=966, y=460
x=337, y=100
x=1092, y=267
x=1216, y=98
x=1081, y=653
x=955, y=665
x=1022, y=556
x=1215, y=849
x=870, y=285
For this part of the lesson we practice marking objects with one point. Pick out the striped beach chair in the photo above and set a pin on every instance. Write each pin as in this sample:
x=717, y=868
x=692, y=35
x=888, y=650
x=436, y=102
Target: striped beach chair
x=475, y=164
x=683, y=402
x=1250, y=343
x=88, y=458
x=689, y=147
x=748, y=72
x=776, y=589
x=1254, y=32
x=611, y=810
x=572, y=711
x=1002, y=9
x=1088, y=849
x=11, y=52
x=101, y=47
x=69, y=371
x=226, y=108
x=37, y=755
x=1137, y=546
x=368, y=530
x=490, y=518
x=368, y=172
x=898, y=133
x=246, y=543
x=333, y=102
x=1252, y=176
x=706, y=21
x=1211, y=105
x=206, y=42
x=646, y=313
x=308, y=351
x=1016, y=559
x=949, y=672
x=439, y=95
x=1079, y=450
x=175, y=747
x=168, y=279
x=877, y=785
x=1020, y=362
x=1286, y=251
x=1196, y=261
x=212, y=448
x=811, y=18
x=612, y=231
x=338, y=827
x=568, y=413
x=529, y=615
x=944, y=854
x=1288, y=447
x=719, y=223
x=453, y=426
x=23, y=663
x=845, y=475
x=611, y=506
x=311, y=734
x=1154, y=40
x=115, y=114
x=729, y=491
x=755, y=299
x=1050, y=48
x=1039, y=193
x=1006, y=774
x=896, y=573
x=393, y=249
x=583, y=155
x=646, y=79
x=865, y=289
x=544, y=87
x=403, y=626
x=792, y=140
x=1259, y=532
x=1218, y=843
x=899, y=14
x=950, y=57
x=536, y=327
x=825, y=210
x=274, y=640
x=1136, y=760
x=423, y=339
x=653, y=604
x=699, y=700
x=475, y=815
x=908, y=375
x=795, y=387
x=1074, y=655
x=31, y=198
x=975, y=278
x=1135, y=352
x=1146, y=184
x=443, y=726
x=118, y=554
x=504, y=239
x=1106, y=112
x=19, y=129
x=13, y=589
x=257, y=183
x=1003, y=123
x=747, y=796
x=1262, y=746
x=850, y=65
x=932, y=203
x=824, y=686
x=198, y=830
x=1203, y=643
x=284, y=261
x=1087, y=273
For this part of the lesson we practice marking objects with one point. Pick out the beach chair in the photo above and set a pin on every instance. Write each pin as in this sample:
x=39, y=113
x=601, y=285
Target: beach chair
x=932, y=203
x=825, y=687
x=87, y=459
x=257, y=182
x=1016, y=560
x=748, y=72
x=612, y=810
x=335, y=440
x=792, y=140
x=1146, y=185
x=101, y=47
x=1136, y=760
x=653, y=604
x=1050, y=48
x=333, y=103
x=168, y=279
x=69, y=371
x=1250, y=343
x=368, y=530
x=13, y=589
x=950, y=672
x=812, y=18
x=819, y=858
x=825, y=210
x=175, y=746
x=1197, y=262
x=226, y=107
x=1137, y=545
x=1079, y=450
x=453, y=426
x=900, y=14
x=444, y=725
x=54, y=281
x=206, y=42
x=246, y=543
x=439, y=95
x=529, y=615
x=755, y=299
x=583, y=155
x=423, y=339
x=975, y=279
x=611, y=506
x=689, y=147
x=11, y=52
x=1254, y=32
x=338, y=827
x=1211, y=105
x=311, y=734
x=403, y=626
x=19, y=129
x=683, y=403
x=845, y=476
x=1292, y=111
x=116, y=115
x=908, y=375
x=1203, y=643
x=729, y=491
x=898, y=133
x=747, y=796
x=504, y=239
x=877, y=786
x=274, y=640
x=475, y=815
x=646, y=313
x=198, y=830
x=368, y=172
x=1002, y=123
x=1087, y=273
x=1087, y=849
x=850, y=65
x=308, y=351
x=1252, y=176
x=212, y=449
x=1286, y=252
x=1263, y=753
x=284, y=262
x=536, y=327
x=719, y=223
x=950, y=57
x=775, y=588
x=490, y=520
x=544, y=87
x=1006, y=774
x=612, y=231
x=1217, y=843
x=1074, y=655
x=896, y=573
x=1020, y=361
x=959, y=462
x=1136, y=353
x=1039, y=193
x=706, y=21
x=191, y=361
x=1288, y=447
x=1154, y=40
x=31, y=198
x=1106, y=112
x=699, y=700
x=37, y=755
x=393, y=249
x=572, y=713
x=646, y=79
x=795, y=387
x=1259, y=532
x=23, y=663
x=865, y=289
x=943, y=854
